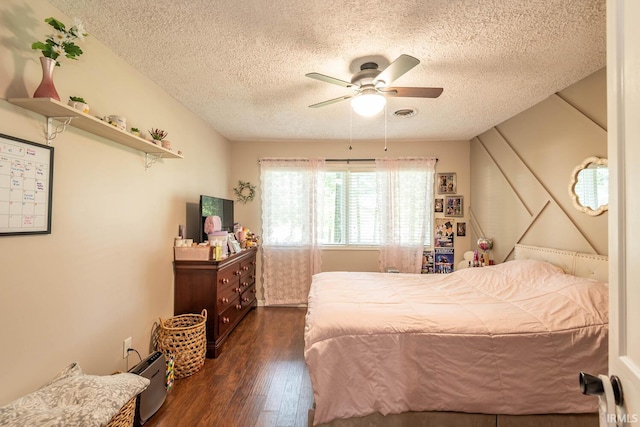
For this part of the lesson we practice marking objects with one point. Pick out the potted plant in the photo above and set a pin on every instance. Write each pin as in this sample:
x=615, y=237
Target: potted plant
x=157, y=135
x=135, y=131
x=79, y=104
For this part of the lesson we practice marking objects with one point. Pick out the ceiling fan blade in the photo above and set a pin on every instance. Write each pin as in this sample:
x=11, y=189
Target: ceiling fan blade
x=331, y=101
x=413, y=92
x=396, y=69
x=333, y=80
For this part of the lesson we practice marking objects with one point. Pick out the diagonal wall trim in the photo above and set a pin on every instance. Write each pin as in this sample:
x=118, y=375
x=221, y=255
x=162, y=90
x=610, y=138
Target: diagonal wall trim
x=519, y=169
x=526, y=230
x=560, y=96
x=515, y=190
x=551, y=197
x=477, y=228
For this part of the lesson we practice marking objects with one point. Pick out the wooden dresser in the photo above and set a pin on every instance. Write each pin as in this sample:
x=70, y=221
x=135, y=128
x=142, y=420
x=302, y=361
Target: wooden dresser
x=226, y=288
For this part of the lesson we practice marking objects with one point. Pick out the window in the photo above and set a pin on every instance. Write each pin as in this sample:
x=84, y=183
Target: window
x=351, y=207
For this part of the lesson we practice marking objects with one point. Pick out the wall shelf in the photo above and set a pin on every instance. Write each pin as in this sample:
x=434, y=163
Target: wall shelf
x=68, y=116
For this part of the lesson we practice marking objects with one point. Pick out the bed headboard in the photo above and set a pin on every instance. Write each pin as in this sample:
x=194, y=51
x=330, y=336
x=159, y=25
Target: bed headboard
x=576, y=263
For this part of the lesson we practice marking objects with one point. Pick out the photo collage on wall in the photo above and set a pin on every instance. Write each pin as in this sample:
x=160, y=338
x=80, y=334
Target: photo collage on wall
x=440, y=259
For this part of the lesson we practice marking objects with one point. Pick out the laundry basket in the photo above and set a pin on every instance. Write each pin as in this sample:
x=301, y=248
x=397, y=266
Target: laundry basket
x=124, y=417
x=185, y=337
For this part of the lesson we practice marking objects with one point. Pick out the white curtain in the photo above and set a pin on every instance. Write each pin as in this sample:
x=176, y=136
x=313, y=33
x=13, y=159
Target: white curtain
x=291, y=225
x=405, y=209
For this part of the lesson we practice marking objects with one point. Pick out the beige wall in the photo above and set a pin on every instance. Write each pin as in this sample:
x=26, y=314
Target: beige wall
x=105, y=271
x=520, y=173
x=453, y=156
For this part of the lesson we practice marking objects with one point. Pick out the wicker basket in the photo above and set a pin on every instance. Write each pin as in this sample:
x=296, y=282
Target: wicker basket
x=124, y=417
x=185, y=337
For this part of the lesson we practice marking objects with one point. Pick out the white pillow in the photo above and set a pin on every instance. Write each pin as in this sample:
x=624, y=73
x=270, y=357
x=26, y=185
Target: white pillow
x=72, y=398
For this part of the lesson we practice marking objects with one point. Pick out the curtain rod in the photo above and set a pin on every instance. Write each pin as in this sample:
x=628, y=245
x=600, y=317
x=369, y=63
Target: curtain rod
x=353, y=160
x=331, y=160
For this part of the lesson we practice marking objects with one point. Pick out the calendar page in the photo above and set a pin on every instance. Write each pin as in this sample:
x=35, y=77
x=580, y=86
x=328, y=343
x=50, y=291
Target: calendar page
x=26, y=174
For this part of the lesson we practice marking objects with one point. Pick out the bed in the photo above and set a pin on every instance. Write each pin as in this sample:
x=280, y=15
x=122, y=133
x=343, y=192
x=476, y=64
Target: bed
x=503, y=341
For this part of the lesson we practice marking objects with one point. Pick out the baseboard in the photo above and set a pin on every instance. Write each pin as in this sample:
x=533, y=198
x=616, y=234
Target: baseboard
x=260, y=303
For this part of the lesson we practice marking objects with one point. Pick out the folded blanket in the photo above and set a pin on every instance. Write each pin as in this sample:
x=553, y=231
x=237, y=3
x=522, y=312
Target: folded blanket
x=72, y=399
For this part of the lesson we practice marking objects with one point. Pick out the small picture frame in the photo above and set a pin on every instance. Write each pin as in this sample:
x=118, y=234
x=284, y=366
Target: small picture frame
x=461, y=229
x=447, y=183
x=438, y=206
x=454, y=206
x=232, y=243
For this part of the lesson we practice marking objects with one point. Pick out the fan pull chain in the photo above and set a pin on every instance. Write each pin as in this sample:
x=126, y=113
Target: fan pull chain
x=385, y=127
x=350, y=128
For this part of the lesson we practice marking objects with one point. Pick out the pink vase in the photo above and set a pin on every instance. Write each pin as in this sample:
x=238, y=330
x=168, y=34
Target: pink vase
x=46, y=88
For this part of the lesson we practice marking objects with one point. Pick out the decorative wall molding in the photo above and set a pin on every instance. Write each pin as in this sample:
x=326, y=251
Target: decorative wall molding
x=519, y=172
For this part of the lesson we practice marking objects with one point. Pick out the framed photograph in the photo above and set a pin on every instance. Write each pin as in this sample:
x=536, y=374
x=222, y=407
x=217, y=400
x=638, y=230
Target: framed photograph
x=447, y=183
x=454, y=206
x=443, y=233
x=232, y=243
x=461, y=229
x=26, y=180
x=427, y=262
x=438, y=205
x=443, y=260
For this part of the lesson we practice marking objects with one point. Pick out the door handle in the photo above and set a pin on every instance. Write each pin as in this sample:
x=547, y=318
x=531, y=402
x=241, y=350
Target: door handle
x=593, y=386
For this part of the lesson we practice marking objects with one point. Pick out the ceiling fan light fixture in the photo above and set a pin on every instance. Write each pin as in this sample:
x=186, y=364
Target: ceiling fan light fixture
x=368, y=104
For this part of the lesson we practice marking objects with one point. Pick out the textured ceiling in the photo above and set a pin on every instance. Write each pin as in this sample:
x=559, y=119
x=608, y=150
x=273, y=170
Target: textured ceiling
x=241, y=64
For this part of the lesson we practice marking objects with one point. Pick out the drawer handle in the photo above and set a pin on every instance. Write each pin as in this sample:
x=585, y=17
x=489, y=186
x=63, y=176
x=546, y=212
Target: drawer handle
x=253, y=276
x=245, y=299
x=237, y=273
x=225, y=320
x=253, y=263
x=224, y=300
x=254, y=290
x=238, y=290
x=245, y=268
x=244, y=284
x=238, y=306
x=225, y=281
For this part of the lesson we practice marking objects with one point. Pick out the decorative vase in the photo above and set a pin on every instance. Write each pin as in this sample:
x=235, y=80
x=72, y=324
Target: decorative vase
x=46, y=88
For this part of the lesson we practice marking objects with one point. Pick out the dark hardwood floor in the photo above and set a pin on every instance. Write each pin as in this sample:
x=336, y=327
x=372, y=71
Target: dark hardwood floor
x=259, y=379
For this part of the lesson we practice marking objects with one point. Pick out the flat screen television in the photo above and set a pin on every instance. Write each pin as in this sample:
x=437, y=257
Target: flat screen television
x=218, y=207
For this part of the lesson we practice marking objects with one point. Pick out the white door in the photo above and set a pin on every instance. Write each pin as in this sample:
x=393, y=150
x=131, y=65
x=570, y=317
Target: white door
x=623, y=87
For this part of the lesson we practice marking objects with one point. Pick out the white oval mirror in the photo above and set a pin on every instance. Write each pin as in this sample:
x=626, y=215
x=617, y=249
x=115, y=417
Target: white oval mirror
x=589, y=186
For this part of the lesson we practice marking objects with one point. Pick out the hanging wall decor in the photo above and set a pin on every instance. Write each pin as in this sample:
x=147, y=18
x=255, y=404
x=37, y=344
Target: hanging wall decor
x=25, y=202
x=245, y=192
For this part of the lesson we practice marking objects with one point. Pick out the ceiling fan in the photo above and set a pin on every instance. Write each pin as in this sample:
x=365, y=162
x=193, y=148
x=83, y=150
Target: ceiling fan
x=371, y=86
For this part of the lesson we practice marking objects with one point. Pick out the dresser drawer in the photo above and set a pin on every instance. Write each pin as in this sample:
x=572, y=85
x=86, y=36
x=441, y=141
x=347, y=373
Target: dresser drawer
x=228, y=277
x=248, y=297
x=248, y=276
x=248, y=267
x=229, y=317
x=227, y=295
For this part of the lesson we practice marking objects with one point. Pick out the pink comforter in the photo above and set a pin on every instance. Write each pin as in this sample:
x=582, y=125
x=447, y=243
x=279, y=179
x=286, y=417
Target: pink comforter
x=507, y=339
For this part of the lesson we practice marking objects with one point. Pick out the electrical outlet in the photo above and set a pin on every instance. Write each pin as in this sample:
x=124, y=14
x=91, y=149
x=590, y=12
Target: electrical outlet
x=126, y=345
